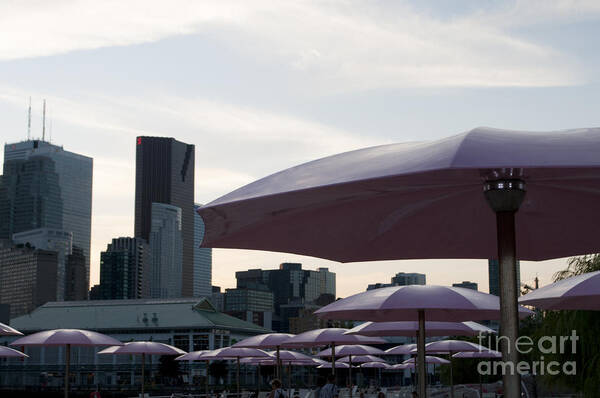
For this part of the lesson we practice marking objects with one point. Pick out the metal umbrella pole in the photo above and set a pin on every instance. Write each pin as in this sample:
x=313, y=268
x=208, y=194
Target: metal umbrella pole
x=505, y=197
x=143, y=364
x=333, y=359
x=422, y=378
x=67, y=365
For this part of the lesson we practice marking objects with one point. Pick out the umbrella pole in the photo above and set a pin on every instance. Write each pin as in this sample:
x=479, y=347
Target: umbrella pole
x=238, y=377
x=333, y=359
x=350, y=373
x=67, y=363
x=258, y=381
x=207, y=381
x=143, y=365
x=505, y=198
x=480, y=386
x=421, y=356
x=278, y=364
x=289, y=379
x=451, y=378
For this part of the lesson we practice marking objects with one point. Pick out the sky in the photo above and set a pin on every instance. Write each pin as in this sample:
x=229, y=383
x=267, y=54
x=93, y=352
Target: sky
x=264, y=85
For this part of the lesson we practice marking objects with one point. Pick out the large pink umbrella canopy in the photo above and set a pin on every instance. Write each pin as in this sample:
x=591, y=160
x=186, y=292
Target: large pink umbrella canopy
x=142, y=348
x=429, y=359
x=581, y=292
x=378, y=364
x=403, y=303
x=478, y=354
x=267, y=340
x=7, y=352
x=327, y=336
x=6, y=330
x=410, y=328
x=480, y=194
x=67, y=338
x=405, y=349
x=334, y=365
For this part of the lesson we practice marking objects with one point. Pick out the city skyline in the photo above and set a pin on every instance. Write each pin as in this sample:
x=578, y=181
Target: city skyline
x=254, y=103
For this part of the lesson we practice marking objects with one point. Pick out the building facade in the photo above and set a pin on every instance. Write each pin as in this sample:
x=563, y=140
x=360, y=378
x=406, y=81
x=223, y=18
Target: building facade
x=54, y=190
x=202, y=259
x=291, y=286
x=75, y=276
x=402, y=279
x=165, y=174
x=166, y=245
x=24, y=276
x=255, y=306
x=125, y=270
x=189, y=324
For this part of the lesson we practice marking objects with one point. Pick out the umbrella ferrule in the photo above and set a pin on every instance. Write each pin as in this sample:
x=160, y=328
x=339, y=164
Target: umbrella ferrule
x=504, y=195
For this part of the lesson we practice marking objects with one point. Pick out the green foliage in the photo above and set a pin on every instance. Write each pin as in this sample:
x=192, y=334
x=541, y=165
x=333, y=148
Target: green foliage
x=562, y=323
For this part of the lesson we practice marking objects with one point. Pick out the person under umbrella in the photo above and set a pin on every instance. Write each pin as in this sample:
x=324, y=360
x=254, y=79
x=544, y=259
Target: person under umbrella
x=480, y=194
x=264, y=341
x=66, y=338
x=142, y=348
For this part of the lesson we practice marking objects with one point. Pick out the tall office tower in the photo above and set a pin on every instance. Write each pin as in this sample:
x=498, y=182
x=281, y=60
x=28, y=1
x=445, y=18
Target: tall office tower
x=165, y=174
x=494, y=276
x=202, y=260
x=401, y=279
x=24, y=276
x=75, y=282
x=125, y=269
x=55, y=240
x=166, y=243
x=69, y=207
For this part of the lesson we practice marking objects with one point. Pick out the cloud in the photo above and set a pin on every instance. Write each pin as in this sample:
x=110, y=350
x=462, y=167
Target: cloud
x=335, y=45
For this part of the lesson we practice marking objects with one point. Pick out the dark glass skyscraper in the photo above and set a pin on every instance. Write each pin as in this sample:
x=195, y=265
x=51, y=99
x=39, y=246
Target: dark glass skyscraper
x=165, y=174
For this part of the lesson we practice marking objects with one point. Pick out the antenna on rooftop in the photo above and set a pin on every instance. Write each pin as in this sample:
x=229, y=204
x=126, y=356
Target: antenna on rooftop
x=44, y=122
x=29, y=121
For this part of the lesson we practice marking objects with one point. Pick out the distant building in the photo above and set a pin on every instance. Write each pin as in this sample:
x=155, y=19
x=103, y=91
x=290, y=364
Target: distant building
x=401, y=279
x=251, y=305
x=95, y=293
x=202, y=259
x=125, y=270
x=75, y=276
x=189, y=324
x=25, y=274
x=165, y=174
x=466, y=285
x=45, y=186
x=166, y=244
x=292, y=287
x=494, y=277
x=217, y=298
x=55, y=240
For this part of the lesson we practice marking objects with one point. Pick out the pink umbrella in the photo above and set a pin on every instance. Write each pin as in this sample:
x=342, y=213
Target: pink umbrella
x=581, y=292
x=360, y=359
x=457, y=197
x=450, y=347
x=401, y=366
x=479, y=354
x=330, y=365
x=349, y=350
x=406, y=303
x=142, y=348
x=263, y=341
x=405, y=349
x=6, y=352
x=329, y=336
x=410, y=328
x=234, y=353
x=380, y=365
x=6, y=330
x=195, y=356
x=67, y=338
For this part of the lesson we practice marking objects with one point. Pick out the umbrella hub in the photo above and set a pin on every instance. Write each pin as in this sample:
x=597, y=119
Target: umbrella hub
x=504, y=195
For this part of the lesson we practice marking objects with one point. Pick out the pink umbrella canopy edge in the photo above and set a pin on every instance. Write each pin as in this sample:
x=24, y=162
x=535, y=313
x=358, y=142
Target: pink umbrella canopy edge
x=580, y=292
x=143, y=347
x=61, y=337
x=6, y=330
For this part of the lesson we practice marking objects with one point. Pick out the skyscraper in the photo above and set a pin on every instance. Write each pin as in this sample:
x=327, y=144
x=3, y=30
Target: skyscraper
x=44, y=186
x=166, y=245
x=202, y=260
x=165, y=174
x=125, y=269
x=466, y=285
x=494, y=276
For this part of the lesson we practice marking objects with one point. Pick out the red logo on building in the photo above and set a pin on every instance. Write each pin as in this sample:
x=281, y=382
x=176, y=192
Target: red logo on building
x=139, y=140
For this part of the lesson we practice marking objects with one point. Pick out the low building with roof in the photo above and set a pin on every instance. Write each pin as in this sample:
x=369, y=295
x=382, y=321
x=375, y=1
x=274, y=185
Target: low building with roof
x=190, y=324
